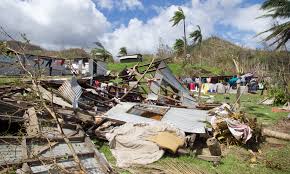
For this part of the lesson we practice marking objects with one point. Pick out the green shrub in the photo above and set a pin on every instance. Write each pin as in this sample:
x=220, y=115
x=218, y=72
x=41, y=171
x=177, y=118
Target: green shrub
x=279, y=94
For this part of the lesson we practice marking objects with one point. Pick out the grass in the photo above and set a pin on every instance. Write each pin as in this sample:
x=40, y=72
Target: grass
x=177, y=68
x=237, y=160
x=249, y=104
x=8, y=80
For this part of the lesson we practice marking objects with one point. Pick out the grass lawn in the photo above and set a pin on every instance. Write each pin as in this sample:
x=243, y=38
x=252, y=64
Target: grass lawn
x=273, y=159
x=176, y=68
x=249, y=104
x=8, y=80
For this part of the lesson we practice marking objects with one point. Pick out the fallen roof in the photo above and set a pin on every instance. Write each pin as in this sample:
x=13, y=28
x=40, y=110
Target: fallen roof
x=164, y=74
x=188, y=120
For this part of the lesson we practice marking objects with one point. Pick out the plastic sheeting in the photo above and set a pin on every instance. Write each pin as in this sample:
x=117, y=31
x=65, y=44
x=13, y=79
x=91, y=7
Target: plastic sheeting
x=129, y=143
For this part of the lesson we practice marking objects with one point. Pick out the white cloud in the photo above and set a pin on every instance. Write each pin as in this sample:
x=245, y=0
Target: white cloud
x=105, y=4
x=245, y=19
x=78, y=23
x=54, y=23
x=120, y=4
x=130, y=4
x=143, y=37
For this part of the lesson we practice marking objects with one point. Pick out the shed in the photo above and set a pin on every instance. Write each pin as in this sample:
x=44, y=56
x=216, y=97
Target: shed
x=131, y=58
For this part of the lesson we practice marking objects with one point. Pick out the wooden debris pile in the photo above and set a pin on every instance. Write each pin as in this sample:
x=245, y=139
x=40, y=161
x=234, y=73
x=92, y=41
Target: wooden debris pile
x=233, y=128
x=32, y=141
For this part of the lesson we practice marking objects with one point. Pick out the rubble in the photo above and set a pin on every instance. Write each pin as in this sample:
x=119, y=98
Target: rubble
x=51, y=121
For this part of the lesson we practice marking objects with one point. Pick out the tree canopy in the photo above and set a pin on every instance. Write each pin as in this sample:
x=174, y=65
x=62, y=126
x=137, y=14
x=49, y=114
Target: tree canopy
x=123, y=51
x=196, y=35
x=178, y=46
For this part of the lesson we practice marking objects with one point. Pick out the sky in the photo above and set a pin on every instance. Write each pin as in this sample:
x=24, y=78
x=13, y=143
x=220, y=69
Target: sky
x=138, y=25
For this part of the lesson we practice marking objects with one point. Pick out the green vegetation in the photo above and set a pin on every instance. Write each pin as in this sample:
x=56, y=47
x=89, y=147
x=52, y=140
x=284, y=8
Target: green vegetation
x=8, y=80
x=280, y=95
x=123, y=51
x=235, y=160
x=177, y=69
x=249, y=104
x=176, y=19
x=178, y=47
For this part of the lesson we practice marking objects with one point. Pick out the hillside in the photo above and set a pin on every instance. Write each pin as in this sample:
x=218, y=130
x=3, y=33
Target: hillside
x=37, y=50
x=217, y=52
x=213, y=55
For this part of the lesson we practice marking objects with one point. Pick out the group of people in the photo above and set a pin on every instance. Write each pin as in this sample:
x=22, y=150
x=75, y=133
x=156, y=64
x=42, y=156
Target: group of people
x=223, y=86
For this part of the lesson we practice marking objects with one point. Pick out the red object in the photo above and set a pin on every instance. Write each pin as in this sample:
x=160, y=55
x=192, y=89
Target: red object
x=275, y=109
x=191, y=86
x=97, y=83
x=62, y=62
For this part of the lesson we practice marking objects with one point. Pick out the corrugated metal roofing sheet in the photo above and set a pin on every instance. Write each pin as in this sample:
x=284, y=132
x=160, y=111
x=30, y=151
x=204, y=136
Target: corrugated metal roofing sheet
x=188, y=120
x=71, y=90
x=164, y=74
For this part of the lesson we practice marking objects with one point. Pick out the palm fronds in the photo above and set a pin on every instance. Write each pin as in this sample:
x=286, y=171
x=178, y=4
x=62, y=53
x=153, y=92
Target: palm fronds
x=178, y=16
x=178, y=46
x=277, y=9
x=123, y=51
x=196, y=35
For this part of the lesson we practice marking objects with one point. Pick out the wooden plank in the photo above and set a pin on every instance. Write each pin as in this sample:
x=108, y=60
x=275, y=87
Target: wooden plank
x=31, y=124
x=209, y=158
x=104, y=163
x=52, y=97
x=24, y=148
x=40, y=160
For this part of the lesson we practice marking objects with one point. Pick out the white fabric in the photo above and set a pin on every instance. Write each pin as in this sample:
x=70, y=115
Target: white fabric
x=239, y=130
x=221, y=89
x=129, y=145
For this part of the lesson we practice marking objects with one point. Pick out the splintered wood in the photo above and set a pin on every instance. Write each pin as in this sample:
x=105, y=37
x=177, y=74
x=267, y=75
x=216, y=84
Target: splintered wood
x=31, y=122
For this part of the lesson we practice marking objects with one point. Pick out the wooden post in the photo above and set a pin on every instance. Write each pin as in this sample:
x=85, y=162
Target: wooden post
x=214, y=146
x=239, y=70
x=199, y=90
x=238, y=95
x=91, y=70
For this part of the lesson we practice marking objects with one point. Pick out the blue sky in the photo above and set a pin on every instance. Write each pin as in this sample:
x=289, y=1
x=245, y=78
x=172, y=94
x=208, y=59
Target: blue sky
x=139, y=25
x=149, y=11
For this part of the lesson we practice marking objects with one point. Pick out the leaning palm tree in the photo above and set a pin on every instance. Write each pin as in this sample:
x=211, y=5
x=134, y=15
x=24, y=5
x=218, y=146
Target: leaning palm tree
x=277, y=9
x=197, y=38
x=179, y=16
x=100, y=51
x=104, y=54
x=123, y=51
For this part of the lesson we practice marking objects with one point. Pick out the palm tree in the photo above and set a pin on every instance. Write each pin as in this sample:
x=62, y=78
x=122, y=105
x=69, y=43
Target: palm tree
x=277, y=9
x=100, y=51
x=123, y=51
x=197, y=38
x=179, y=16
x=178, y=46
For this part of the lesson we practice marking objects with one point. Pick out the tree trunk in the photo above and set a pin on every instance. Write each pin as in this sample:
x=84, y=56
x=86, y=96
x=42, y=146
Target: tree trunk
x=199, y=90
x=185, y=41
x=276, y=134
x=238, y=96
